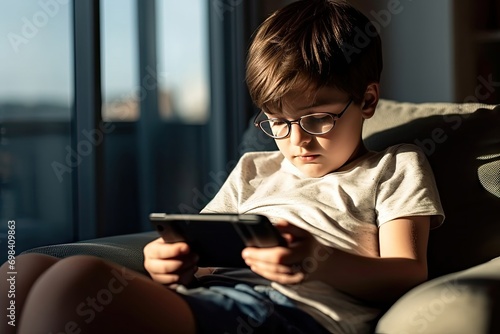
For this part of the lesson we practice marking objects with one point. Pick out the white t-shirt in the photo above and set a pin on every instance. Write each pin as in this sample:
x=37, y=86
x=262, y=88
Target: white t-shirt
x=343, y=209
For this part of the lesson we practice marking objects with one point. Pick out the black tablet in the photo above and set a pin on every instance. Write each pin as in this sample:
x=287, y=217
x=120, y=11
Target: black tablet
x=218, y=239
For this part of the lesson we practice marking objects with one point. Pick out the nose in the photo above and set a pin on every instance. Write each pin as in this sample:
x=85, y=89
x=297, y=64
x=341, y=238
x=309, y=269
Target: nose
x=298, y=136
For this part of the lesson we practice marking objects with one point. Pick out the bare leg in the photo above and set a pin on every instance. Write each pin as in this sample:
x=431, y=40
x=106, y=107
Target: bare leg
x=15, y=288
x=83, y=294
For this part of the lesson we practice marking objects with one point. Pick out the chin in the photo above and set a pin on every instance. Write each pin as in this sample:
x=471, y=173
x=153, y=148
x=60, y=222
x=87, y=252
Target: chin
x=313, y=173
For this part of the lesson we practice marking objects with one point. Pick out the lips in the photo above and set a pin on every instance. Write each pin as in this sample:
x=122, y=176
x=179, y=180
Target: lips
x=307, y=157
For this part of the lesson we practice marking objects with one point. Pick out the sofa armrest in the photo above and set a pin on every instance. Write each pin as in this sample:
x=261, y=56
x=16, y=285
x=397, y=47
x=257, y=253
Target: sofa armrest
x=125, y=250
x=462, y=302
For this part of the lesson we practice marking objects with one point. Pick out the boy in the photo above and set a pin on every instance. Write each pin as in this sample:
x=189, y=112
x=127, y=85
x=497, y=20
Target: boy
x=356, y=222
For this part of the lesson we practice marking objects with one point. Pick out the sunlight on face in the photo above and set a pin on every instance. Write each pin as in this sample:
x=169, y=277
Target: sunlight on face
x=318, y=155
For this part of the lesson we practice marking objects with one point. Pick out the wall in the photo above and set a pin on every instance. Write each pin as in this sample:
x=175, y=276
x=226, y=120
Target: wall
x=417, y=39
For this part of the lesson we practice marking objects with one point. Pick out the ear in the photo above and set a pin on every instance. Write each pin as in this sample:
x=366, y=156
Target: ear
x=370, y=100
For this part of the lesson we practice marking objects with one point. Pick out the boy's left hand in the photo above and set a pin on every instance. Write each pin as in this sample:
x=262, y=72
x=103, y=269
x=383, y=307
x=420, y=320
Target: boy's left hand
x=283, y=265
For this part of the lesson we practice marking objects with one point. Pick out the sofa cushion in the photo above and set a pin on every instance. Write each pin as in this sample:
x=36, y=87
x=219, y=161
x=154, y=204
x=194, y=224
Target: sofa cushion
x=463, y=302
x=125, y=250
x=391, y=114
x=462, y=143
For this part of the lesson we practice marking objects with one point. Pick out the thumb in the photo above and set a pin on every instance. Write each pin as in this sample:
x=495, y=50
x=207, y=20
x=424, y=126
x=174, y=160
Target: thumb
x=286, y=228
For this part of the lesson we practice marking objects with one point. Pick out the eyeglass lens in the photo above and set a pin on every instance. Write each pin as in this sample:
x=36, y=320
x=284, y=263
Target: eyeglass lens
x=314, y=124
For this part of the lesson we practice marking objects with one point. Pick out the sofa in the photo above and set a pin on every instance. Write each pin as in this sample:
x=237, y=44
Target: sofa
x=462, y=143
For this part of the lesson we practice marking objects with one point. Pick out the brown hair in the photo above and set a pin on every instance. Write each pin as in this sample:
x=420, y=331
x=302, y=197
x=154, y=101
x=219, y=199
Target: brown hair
x=310, y=44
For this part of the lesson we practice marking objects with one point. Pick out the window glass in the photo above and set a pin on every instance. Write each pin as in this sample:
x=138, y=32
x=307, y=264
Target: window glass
x=36, y=95
x=182, y=37
x=121, y=93
x=35, y=61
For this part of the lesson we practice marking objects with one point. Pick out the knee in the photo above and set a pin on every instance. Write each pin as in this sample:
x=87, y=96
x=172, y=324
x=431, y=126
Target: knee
x=77, y=269
x=69, y=292
x=29, y=260
x=83, y=275
x=82, y=262
x=70, y=281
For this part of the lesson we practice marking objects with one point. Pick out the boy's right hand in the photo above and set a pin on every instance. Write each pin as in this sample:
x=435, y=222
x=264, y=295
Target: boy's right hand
x=170, y=263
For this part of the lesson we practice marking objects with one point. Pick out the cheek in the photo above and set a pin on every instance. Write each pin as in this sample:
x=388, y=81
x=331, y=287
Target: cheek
x=342, y=141
x=349, y=131
x=282, y=146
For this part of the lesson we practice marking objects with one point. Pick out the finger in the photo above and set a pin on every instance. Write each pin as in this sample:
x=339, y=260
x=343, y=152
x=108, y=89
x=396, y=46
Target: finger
x=272, y=267
x=277, y=255
x=268, y=254
x=164, y=266
x=291, y=233
x=281, y=222
x=278, y=274
x=170, y=271
x=286, y=279
x=183, y=277
x=159, y=266
x=294, y=230
x=158, y=249
x=289, y=238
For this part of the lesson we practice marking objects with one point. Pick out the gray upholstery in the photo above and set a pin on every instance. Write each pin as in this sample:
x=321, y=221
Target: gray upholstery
x=125, y=250
x=464, y=302
x=462, y=142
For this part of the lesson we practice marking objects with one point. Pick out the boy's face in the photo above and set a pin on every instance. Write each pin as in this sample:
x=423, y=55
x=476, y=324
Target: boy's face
x=318, y=155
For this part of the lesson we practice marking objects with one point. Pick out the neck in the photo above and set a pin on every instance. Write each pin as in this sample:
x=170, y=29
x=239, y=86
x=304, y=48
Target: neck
x=358, y=152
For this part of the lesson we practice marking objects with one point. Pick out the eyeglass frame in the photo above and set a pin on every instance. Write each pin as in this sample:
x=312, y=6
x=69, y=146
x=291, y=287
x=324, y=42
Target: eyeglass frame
x=336, y=116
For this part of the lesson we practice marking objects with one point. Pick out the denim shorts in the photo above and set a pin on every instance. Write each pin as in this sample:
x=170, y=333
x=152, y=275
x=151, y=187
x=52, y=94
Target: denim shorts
x=241, y=308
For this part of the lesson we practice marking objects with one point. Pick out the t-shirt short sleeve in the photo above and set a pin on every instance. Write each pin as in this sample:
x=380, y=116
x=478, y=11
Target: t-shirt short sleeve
x=407, y=187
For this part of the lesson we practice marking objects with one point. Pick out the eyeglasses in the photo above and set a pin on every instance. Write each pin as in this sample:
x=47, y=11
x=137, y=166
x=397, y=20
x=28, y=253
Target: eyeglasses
x=314, y=124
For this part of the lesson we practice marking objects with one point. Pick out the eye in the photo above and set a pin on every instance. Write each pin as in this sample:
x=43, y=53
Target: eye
x=318, y=118
x=277, y=122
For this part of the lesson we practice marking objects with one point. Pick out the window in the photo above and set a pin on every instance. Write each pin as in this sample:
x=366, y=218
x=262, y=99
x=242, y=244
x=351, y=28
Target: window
x=36, y=95
x=120, y=86
x=156, y=93
x=56, y=179
x=182, y=39
x=182, y=76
